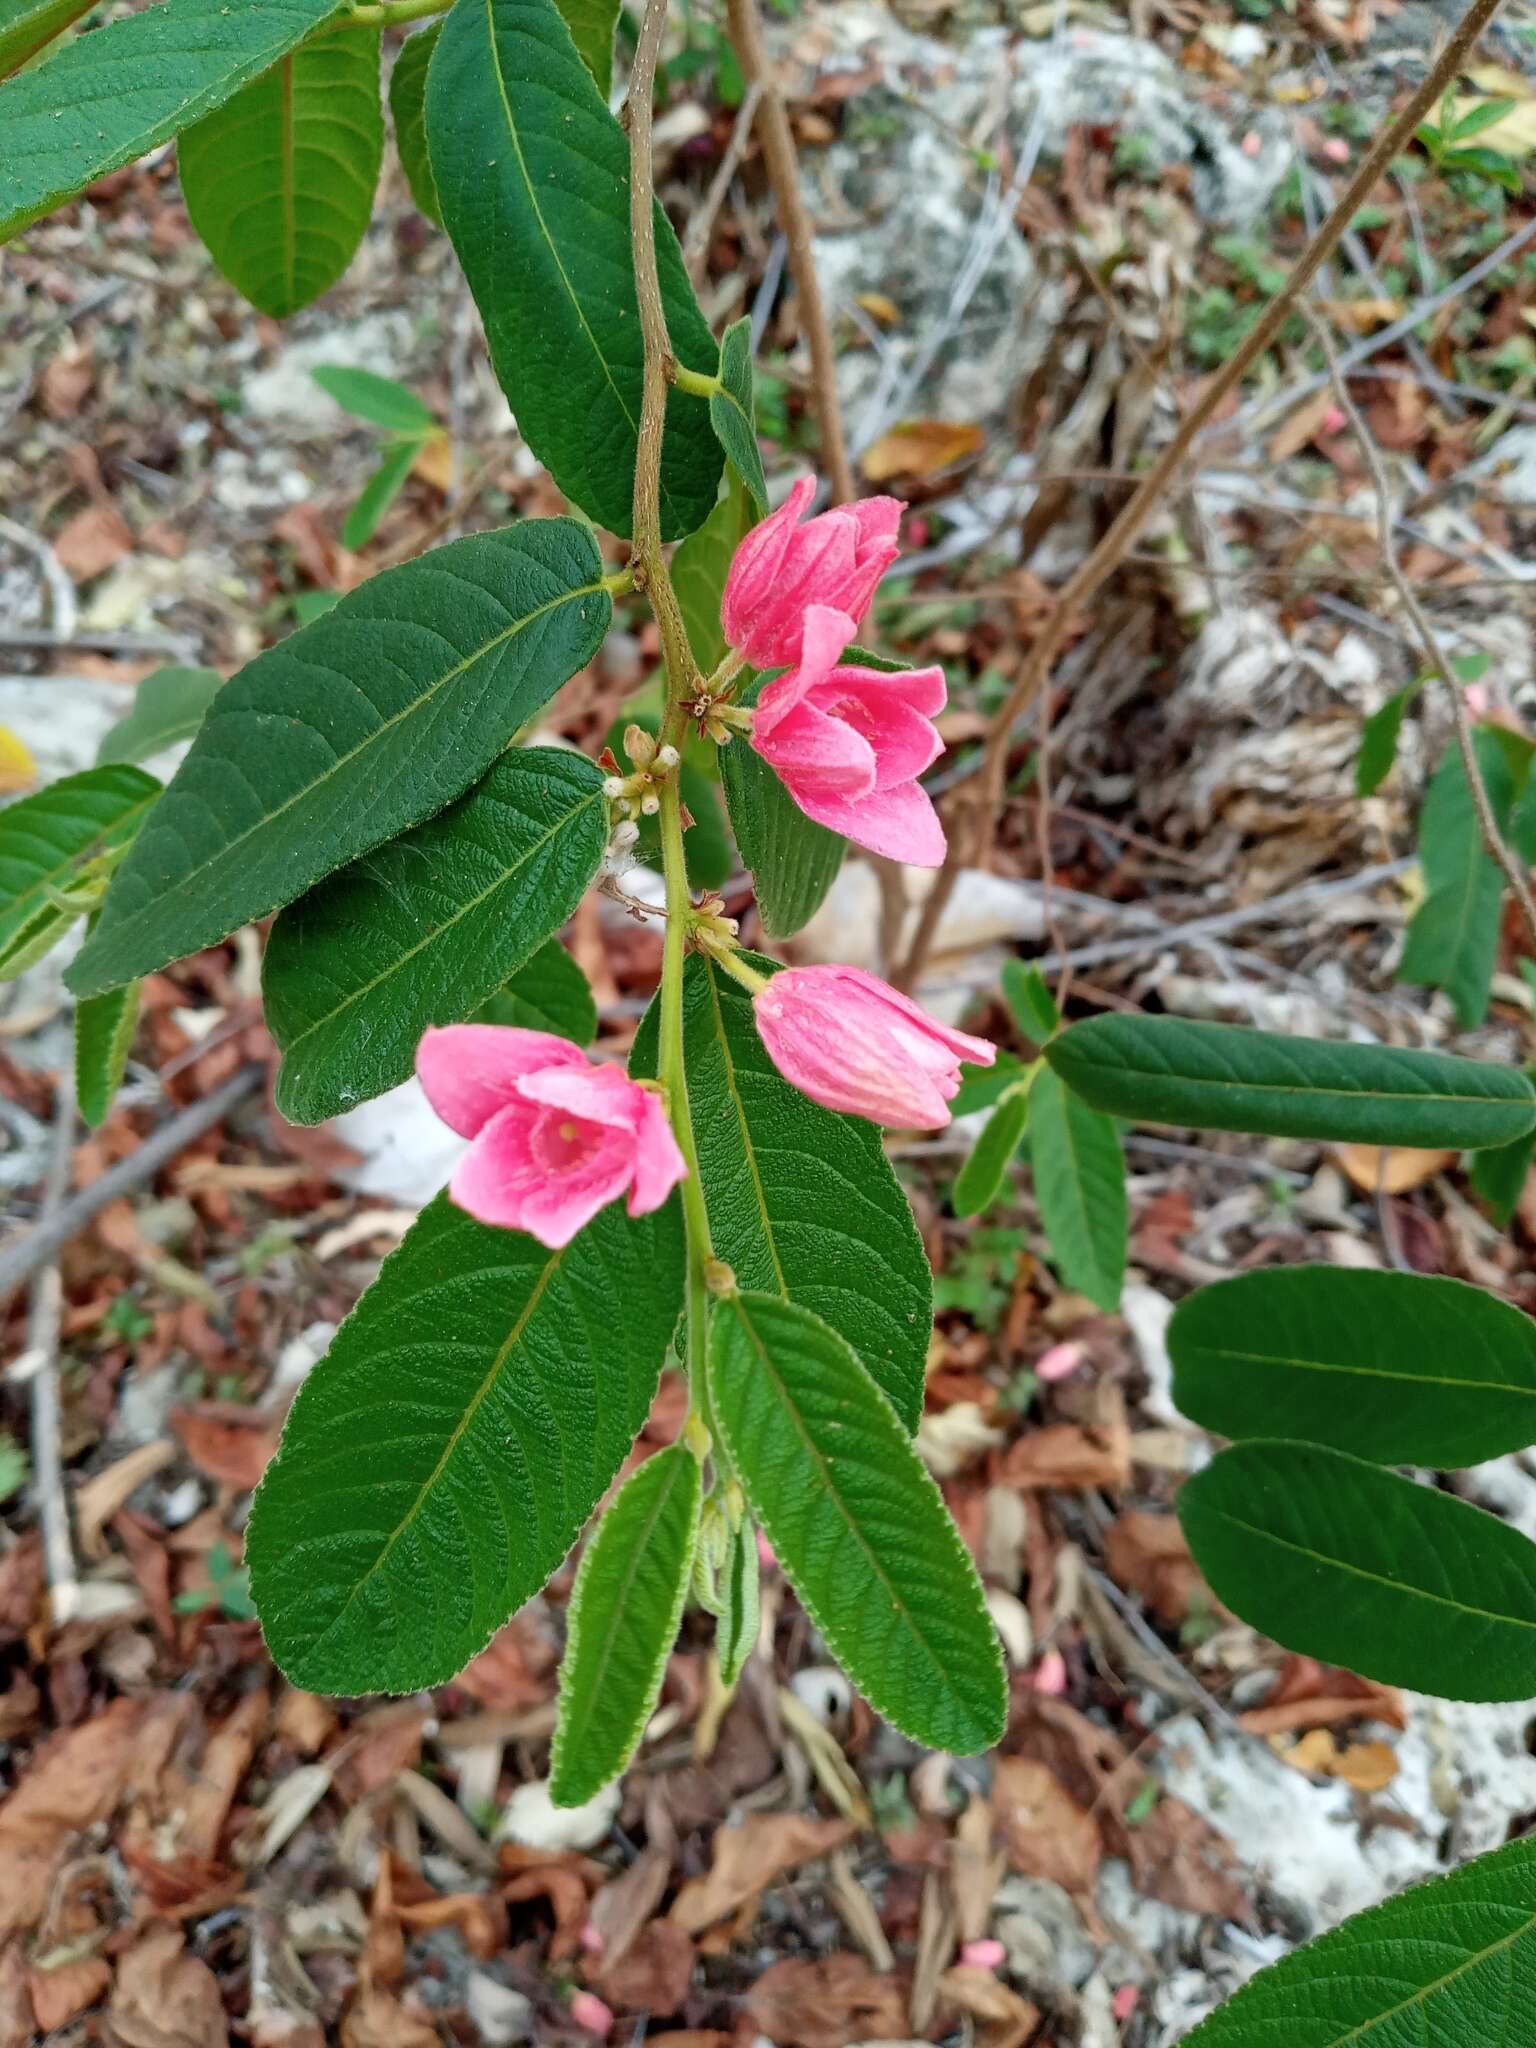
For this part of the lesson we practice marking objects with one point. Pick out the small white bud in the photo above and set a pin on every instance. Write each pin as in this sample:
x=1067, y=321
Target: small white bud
x=613, y=787
x=649, y=806
x=668, y=757
x=624, y=836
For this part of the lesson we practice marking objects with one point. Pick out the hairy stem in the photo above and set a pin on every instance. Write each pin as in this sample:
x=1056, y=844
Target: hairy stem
x=784, y=174
x=977, y=806
x=390, y=13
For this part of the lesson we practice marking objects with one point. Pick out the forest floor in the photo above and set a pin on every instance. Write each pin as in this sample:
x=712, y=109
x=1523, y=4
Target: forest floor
x=1041, y=227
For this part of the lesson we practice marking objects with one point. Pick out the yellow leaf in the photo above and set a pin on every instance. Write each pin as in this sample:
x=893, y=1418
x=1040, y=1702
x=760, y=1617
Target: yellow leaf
x=434, y=465
x=1402, y=1168
x=1368, y=1766
x=18, y=770
x=920, y=448
x=879, y=307
x=1515, y=135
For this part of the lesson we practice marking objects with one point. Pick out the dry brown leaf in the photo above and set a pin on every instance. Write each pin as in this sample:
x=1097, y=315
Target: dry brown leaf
x=749, y=1857
x=1148, y=1555
x=879, y=307
x=17, y=2026
x=60, y=1995
x=1043, y=1830
x=94, y=541
x=689, y=2037
x=622, y=1908
x=920, y=448
x=105, y=1492
x=1006, y=2020
x=976, y=1869
x=233, y=1452
x=64, y=383
x=653, y=1975
x=1368, y=1766
x=434, y=463
x=1313, y=1695
x=1302, y=426
x=1066, y=1455
x=164, y=1997
x=70, y=1783
x=1395, y=1172
x=378, y=2019
x=1360, y=316
x=827, y=2004
x=515, y=1669
x=304, y=1721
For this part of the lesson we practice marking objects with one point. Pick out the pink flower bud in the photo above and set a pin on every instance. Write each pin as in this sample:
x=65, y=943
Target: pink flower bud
x=781, y=567
x=984, y=1955
x=1060, y=1362
x=1050, y=1674
x=589, y=2011
x=1125, y=2001
x=555, y=1138
x=849, y=743
x=854, y=1043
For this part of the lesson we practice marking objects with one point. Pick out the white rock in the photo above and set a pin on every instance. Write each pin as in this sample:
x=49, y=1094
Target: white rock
x=407, y=1151
x=532, y=1818
x=1147, y=1315
x=500, y=2014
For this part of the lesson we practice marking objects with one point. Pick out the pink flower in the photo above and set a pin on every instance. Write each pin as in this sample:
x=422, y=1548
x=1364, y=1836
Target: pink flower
x=984, y=1955
x=555, y=1137
x=781, y=567
x=589, y=2011
x=854, y=1043
x=849, y=743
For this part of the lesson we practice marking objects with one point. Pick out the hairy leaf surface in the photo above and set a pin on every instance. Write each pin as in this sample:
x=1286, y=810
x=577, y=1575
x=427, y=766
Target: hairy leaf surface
x=548, y=992
x=26, y=25
x=802, y=1200
x=857, y=1522
x=442, y=1457
x=1345, y=1562
x=1401, y=1368
x=1225, y=1077
x=117, y=92
x=407, y=87
x=978, y=1182
x=733, y=412
x=532, y=177
x=1079, y=1176
x=351, y=731
x=104, y=1028
x=623, y=1617
x=44, y=841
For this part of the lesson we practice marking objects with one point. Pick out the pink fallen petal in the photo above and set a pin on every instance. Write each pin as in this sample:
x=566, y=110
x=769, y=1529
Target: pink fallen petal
x=591, y=1938
x=1125, y=2001
x=1050, y=1674
x=1060, y=1362
x=589, y=2011
x=984, y=1955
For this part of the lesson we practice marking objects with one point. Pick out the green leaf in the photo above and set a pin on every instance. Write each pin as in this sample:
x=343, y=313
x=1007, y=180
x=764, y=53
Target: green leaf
x=857, y=1522
x=1224, y=1077
x=548, y=992
x=1033, y=1006
x=1453, y=938
x=623, y=1617
x=978, y=1181
x=739, y=1621
x=442, y=1457
x=1079, y=1175
x=117, y=92
x=1484, y=114
x=104, y=1028
x=379, y=400
x=1499, y=1176
x=532, y=174
x=733, y=415
x=46, y=839
x=982, y=1087
x=1401, y=1368
x=279, y=181
x=700, y=567
x=793, y=860
x=168, y=707
x=802, y=1200
x=350, y=731
x=27, y=25
x=592, y=23
x=407, y=85
x=1451, y=1962
x=1379, y=737
x=426, y=928
x=378, y=494
x=1339, y=1560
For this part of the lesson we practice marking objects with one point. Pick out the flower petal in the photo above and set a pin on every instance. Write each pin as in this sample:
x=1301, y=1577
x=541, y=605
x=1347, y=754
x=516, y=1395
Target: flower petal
x=900, y=823
x=470, y=1071
x=827, y=632
x=659, y=1162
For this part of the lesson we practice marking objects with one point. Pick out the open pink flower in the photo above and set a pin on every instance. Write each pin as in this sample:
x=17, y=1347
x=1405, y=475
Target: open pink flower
x=849, y=743
x=781, y=567
x=855, y=1043
x=555, y=1138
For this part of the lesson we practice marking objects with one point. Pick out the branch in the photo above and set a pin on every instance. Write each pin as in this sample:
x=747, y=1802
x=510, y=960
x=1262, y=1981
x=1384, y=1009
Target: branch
x=976, y=814
x=784, y=175
x=1513, y=870
x=42, y=1362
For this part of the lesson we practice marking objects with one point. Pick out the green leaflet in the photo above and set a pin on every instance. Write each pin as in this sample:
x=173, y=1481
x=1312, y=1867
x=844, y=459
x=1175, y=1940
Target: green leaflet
x=1453, y=939
x=1079, y=1175
x=351, y=731
x=279, y=181
x=979, y=1180
x=592, y=23
x=381, y=401
x=1033, y=1006
x=1340, y=1560
x=733, y=414
x=104, y=1028
x=984, y=1087
x=1451, y=1962
x=379, y=493
x=1378, y=740
x=1499, y=1174
x=532, y=175
x=699, y=569
x=793, y=860
x=857, y=1522
x=548, y=992
x=427, y=927
x=116, y=92
x=44, y=842
x=441, y=1458
x=802, y=1201
x=624, y=1612
x=1400, y=1368
x=407, y=85
x=26, y=25
x=168, y=707
x=739, y=1594
x=1225, y=1077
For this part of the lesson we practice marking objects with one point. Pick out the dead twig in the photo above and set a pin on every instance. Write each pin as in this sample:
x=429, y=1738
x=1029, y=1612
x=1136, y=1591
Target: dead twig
x=1493, y=839
x=976, y=813
x=701, y=226
x=40, y=1363
x=784, y=174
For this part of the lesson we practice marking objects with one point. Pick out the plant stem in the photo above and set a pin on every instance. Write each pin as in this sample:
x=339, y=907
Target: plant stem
x=976, y=812
x=695, y=381
x=390, y=13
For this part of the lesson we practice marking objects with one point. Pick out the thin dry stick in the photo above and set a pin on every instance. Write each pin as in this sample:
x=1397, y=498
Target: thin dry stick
x=41, y=1361
x=976, y=813
x=1434, y=653
x=784, y=174
x=696, y=241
